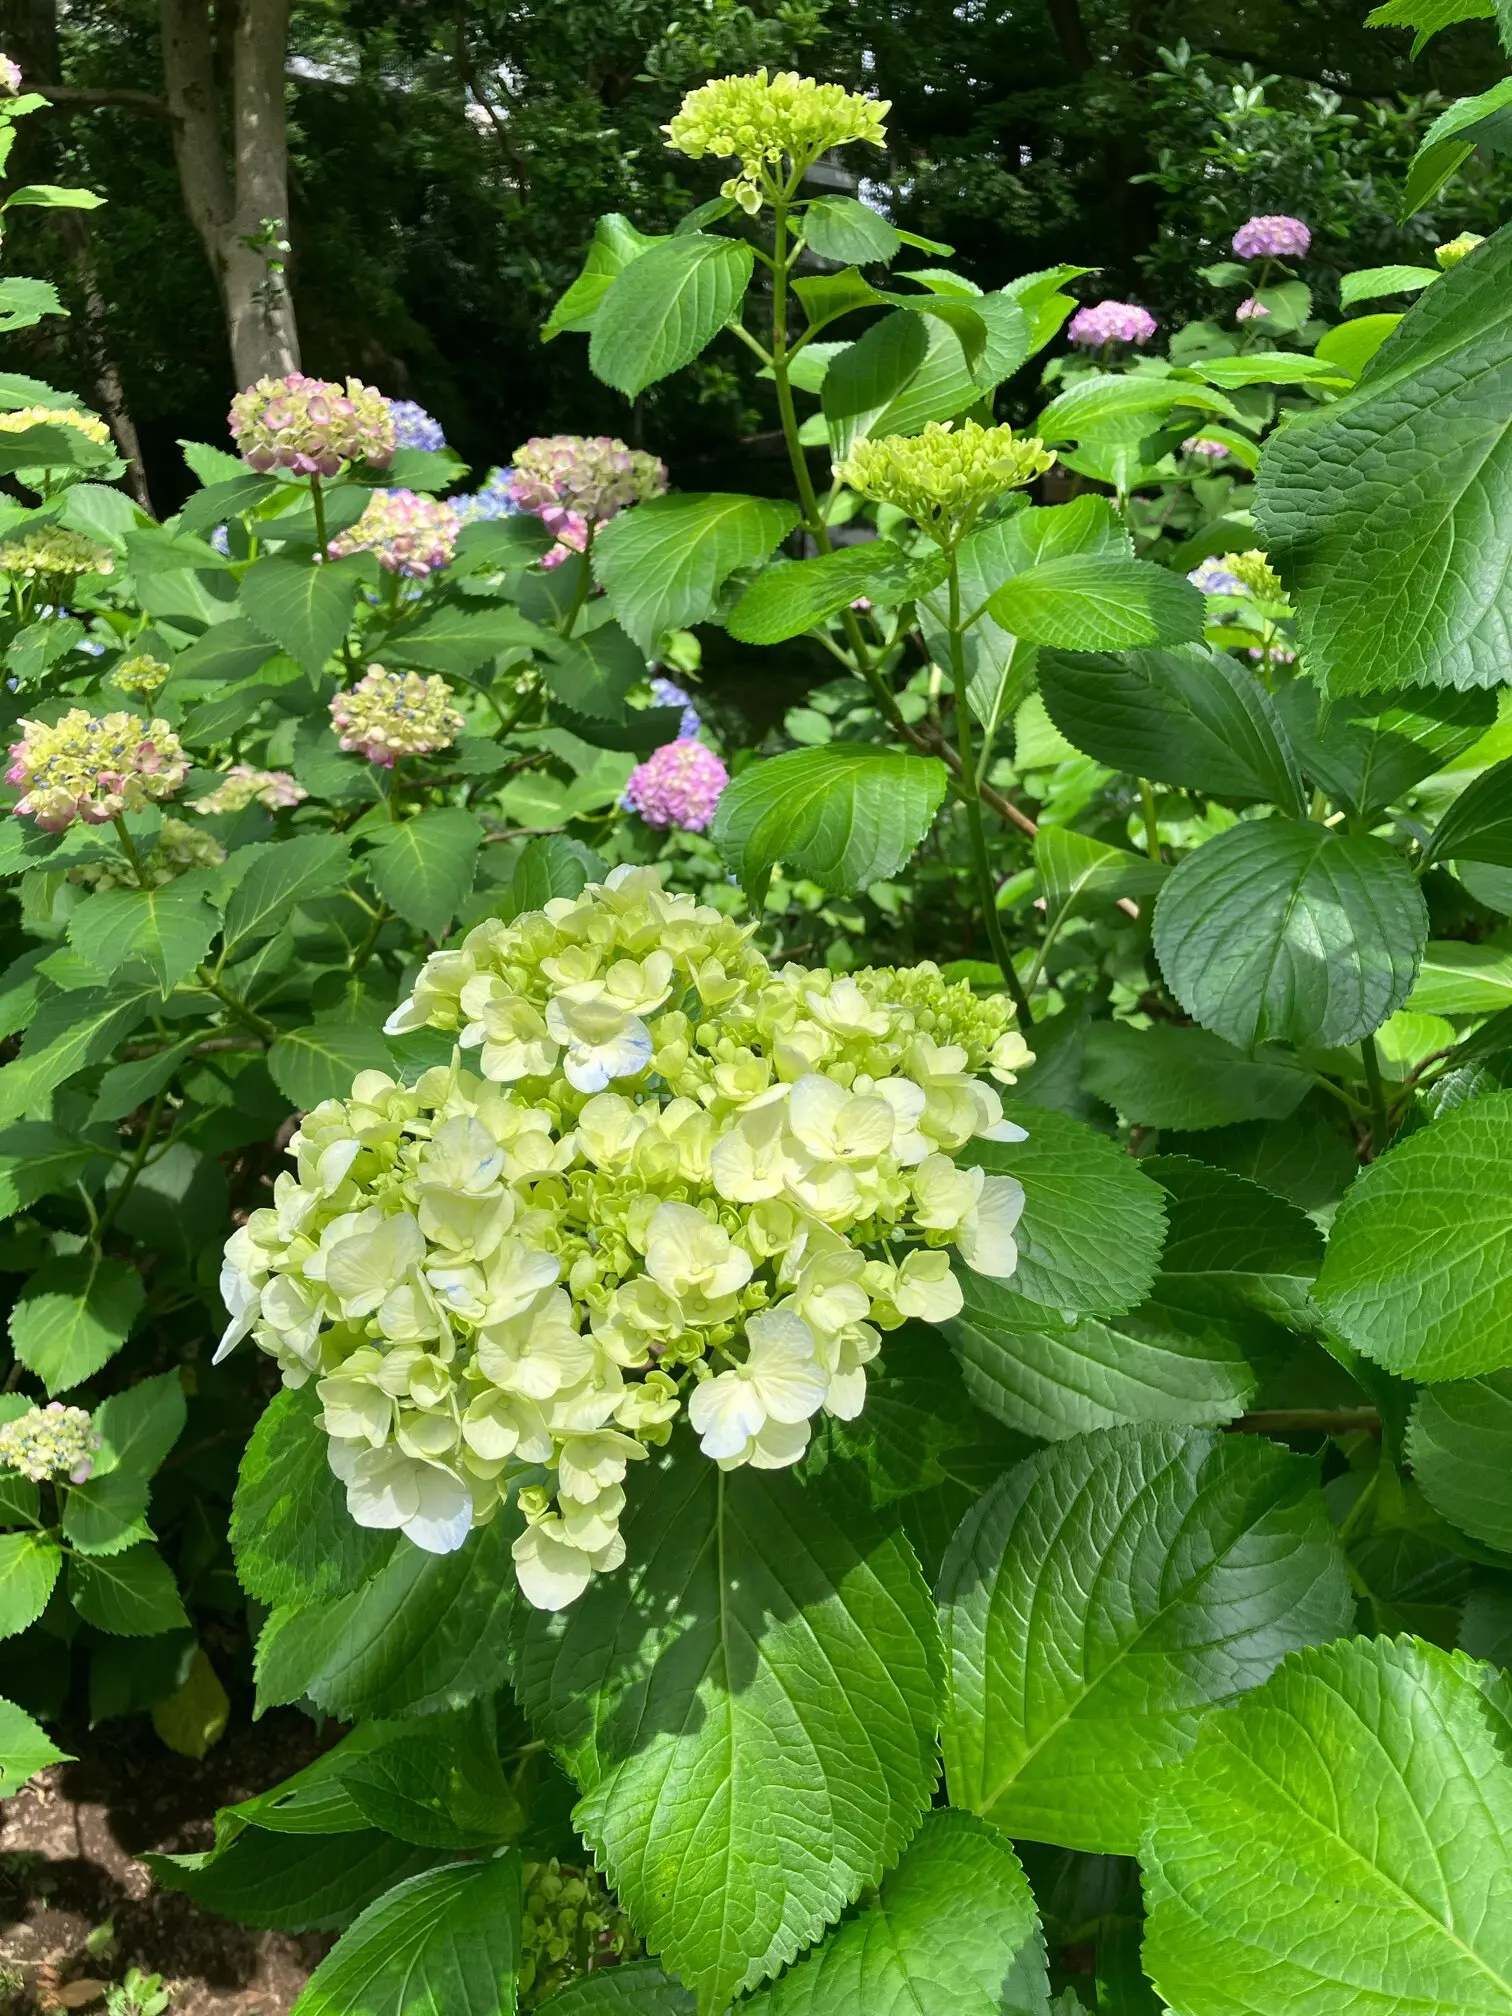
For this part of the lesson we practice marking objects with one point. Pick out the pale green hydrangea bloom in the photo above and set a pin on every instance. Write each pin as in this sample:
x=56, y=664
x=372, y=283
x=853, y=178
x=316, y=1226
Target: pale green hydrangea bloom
x=943, y=477
x=1257, y=574
x=50, y=1441
x=1457, y=249
x=52, y=552
x=178, y=848
x=760, y=120
x=142, y=676
x=674, y=1181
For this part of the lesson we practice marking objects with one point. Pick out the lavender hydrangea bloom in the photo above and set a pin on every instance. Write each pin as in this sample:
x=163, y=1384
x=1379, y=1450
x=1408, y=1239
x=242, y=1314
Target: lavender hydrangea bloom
x=1111, y=322
x=1253, y=310
x=1272, y=238
x=1204, y=445
x=677, y=785
x=667, y=693
x=1213, y=578
x=495, y=499
x=414, y=427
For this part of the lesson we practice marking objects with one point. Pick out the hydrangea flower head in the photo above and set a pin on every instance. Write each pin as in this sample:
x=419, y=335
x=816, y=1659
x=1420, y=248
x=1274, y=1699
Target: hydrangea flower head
x=10, y=77
x=50, y=1441
x=177, y=848
x=141, y=675
x=760, y=120
x=570, y=1922
x=90, y=425
x=944, y=476
x=244, y=785
x=495, y=499
x=52, y=553
x=1216, y=577
x=1256, y=574
x=1200, y=444
x=414, y=427
x=387, y=715
x=1111, y=322
x=667, y=693
x=310, y=426
x=657, y=1179
x=93, y=766
x=1272, y=238
x=677, y=785
x=592, y=476
x=1252, y=310
x=409, y=533
x=1457, y=249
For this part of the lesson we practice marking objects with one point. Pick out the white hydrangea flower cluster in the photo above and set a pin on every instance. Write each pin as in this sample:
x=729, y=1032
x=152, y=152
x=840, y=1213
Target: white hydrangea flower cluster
x=676, y=1180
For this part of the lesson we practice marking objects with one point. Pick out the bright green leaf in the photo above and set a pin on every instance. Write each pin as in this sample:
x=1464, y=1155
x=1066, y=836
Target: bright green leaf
x=299, y=1883
x=662, y=565
x=665, y=307
x=293, y=1538
x=423, y=866
x=309, y=1065
x=1172, y=1076
x=792, y=596
x=131, y=1595
x=1459, y=1444
x=288, y=874
x=303, y=608
x=73, y=1316
x=29, y=1564
x=170, y=928
x=25, y=1749
x=446, y=1943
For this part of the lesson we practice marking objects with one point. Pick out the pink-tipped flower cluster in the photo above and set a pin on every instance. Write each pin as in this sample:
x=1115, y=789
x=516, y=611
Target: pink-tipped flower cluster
x=91, y=767
x=1201, y=444
x=10, y=77
x=50, y=1441
x=1111, y=322
x=242, y=785
x=1253, y=310
x=310, y=426
x=410, y=534
x=387, y=715
x=593, y=476
x=1272, y=238
x=677, y=785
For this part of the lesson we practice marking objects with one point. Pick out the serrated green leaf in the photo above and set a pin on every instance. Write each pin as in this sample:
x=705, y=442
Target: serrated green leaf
x=423, y=866
x=169, y=928
x=294, y=1540
x=1457, y=978
x=292, y=872
x=1341, y=1839
x=1418, y=1274
x=1101, y=1598
x=662, y=565
x=425, y=1632
x=1074, y=868
x=851, y=233
x=25, y=1749
x=296, y=1883
x=38, y=1159
x=634, y=1988
x=665, y=307
x=844, y=815
x=138, y=1428
x=72, y=1317
x=749, y=1709
x=127, y=1086
x=233, y=651
x=132, y=1595
x=871, y=372
x=29, y=1564
x=457, y=639
x=440, y=1786
x=1428, y=17
x=69, y=1032
x=797, y=595
x=1478, y=825
x=1459, y=1443
x=303, y=608
x=1195, y=718
x=550, y=866
x=1099, y=602
x=446, y=1943
x=1118, y=409
x=953, y=1930
x=1285, y=931
x=593, y=673
x=1368, y=753
x=308, y=1065
x=1374, y=281
x=1173, y=1076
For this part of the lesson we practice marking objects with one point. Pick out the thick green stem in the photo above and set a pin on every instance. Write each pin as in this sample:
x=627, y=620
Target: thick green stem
x=248, y=1017
x=1380, y=1124
x=971, y=794
x=128, y=848
x=317, y=505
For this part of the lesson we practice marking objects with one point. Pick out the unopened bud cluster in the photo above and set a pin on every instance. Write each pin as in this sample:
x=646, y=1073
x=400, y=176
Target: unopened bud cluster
x=943, y=477
x=760, y=121
x=178, y=848
x=310, y=426
x=391, y=714
x=51, y=553
x=92, y=767
x=408, y=533
x=50, y=1441
x=244, y=785
x=570, y=1925
x=1457, y=249
x=142, y=676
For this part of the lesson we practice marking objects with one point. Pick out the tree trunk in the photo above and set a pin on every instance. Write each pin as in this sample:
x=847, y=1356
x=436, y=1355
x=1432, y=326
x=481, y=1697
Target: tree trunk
x=236, y=182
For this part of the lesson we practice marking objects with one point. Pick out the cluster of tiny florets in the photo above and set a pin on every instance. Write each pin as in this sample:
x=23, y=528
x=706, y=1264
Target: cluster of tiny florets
x=667, y=693
x=409, y=533
x=570, y=1925
x=310, y=426
x=1457, y=249
x=493, y=499
x=10, y=77
x=244, y=785
x=414, y=427
x=594, y=476
x=93, y=766
x=1111, y=322
x=177, y=848
x=50, y=1441
x=1272, y=238
x=391, y=714
x=677, y=785
x=142, y=676
x=90, y=425
x=942, y=477
x=1205, y=446
x=52, y=552
x=673, y=1181
x=760, y=121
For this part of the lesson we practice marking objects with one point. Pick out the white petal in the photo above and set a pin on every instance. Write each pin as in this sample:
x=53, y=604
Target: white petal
x=986, y=1240
x=550, y=1573
x=444, y=1519
x=725, y=1413
x=779, y=1445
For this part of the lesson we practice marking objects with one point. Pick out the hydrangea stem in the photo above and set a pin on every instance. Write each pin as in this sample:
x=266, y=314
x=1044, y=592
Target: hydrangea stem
x=317, y=505
x=1380, y=1124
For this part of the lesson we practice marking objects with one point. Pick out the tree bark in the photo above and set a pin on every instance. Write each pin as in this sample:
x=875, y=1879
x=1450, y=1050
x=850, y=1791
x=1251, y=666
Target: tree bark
x=234, y=170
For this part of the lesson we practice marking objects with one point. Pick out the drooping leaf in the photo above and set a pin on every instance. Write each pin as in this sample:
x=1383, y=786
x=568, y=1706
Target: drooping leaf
x=1384, y=512
x=1428, y=17
x=423, y=866
x=446, y=1943
x=592, y=674
x=24, y=1749
x=1339, y=1839
x=749, y=1709
x=953, y=1930
x=665, y=307
x=1482, y=121
x=292, y=1536
x=1170, y=1076
x=1418, y=1274
x=1280, y=930
x=29, y=1564
x=73, y=1316
x=1097, y=602
x=662, y=565
x=1104, y=1595
x=1074, y=868
x=304, y=609
x=844, y=815
x=616, y=243
x=840, y=228
x=1459, y=1444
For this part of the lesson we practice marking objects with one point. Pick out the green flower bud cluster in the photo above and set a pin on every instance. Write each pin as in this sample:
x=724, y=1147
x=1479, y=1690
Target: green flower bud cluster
x=178, y=848
x=571, y=1925
x=760, y=121
x=1256, y=573
x=50, y=1441
x=51, y=553
x=1457, y=249
x=943, y=477
x=679, y=1182
x=142, y=676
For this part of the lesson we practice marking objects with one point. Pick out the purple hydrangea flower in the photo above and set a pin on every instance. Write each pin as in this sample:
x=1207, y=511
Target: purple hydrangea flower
x=414, y=427
x=667, y=693
x=677, y=785
x=1200, y=444
x=1253, y=310
x=495, y=499
x=1111, y=322
x=1213, y=578
x=1272, y=238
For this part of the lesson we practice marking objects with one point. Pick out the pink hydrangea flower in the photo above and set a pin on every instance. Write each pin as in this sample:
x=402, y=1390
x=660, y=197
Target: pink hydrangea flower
x=677, y=785
x=391, y=714
x=10, y=77
x=595, y=476
x=310, y=426
x=1199, y=444
x=1272, y=238
x=1111, y=322
x=244, y=785
x=571, y=529
x=91, y=767
x=1253, y=310
x=409, y=534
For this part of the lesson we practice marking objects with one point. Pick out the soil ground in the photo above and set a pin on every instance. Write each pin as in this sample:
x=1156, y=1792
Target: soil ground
x=68, y=1844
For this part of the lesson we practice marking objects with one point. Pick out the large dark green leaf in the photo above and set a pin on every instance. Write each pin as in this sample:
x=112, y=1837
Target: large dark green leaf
x=423, y=866
x=1478, y=825
x=1181, y=1076
x=749, y=1707
x=1460, y=1446
x=1368, y=753
x=1098, y=602
x=445, y=1943
x=73, y=1316
x=304, y=608
x=293, y=1538
x=298, y=1883
x=279, y=880
x=666, y=306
